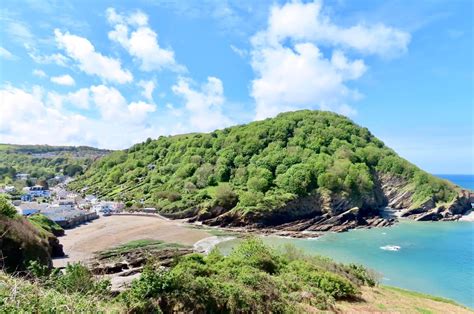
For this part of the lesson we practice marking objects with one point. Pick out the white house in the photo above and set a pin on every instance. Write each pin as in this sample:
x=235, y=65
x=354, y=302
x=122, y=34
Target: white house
x=66, y=204
x=103, y=208
x=22, y=176
x=9, y=188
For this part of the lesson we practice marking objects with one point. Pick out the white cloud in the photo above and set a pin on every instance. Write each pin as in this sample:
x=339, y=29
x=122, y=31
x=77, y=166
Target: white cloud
x=5, y=54
x=141, y=41
x=79, y=98
x=39, y=73
x=55, y=58
x=18, y=31
x=26, y=118
x=91, y=62
x=139, y=110
x=291, y=79
x=203, y=105
x=33, y=116
x=240, y=52
x=113, y=106
x=148, y=88
x=305, y=22
x=65, y=80
x=293, y=73
x=174, y=111
x=109, y=100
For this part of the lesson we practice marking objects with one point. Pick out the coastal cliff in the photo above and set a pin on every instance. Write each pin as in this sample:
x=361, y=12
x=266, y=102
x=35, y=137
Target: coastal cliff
x=301, y=171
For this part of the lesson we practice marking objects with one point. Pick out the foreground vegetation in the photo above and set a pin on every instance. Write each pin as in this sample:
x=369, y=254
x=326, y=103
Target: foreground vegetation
x=23, y=240
x=253, y=278
x=254, y=171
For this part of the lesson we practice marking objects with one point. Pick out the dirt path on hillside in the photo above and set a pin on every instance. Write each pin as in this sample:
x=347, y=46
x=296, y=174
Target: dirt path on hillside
x=80, y=243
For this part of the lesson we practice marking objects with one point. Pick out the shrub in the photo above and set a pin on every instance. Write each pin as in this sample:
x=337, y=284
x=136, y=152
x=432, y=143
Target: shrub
x=77, y=278
x=225, y=196
x=365, y=276
x=6, y=208
x=169, y=195
x=152, y=283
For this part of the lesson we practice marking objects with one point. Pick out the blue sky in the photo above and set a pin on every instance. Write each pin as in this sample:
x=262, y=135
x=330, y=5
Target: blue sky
x=112, y=73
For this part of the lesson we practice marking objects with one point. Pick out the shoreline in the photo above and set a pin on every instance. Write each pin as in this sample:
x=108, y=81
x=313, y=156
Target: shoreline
x=207, y=244
x=81, y=243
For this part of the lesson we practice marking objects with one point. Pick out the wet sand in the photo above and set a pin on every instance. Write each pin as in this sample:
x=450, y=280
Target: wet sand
x=82, y=242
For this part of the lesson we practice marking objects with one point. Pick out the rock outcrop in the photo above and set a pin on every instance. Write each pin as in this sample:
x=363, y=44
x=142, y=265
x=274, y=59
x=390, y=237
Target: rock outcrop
x=318, y=213
x=399, y=196
x=123, y=267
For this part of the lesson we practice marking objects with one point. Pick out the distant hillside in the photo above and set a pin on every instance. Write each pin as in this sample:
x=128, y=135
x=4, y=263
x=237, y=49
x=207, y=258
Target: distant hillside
x=44, y=161
x=304, y=170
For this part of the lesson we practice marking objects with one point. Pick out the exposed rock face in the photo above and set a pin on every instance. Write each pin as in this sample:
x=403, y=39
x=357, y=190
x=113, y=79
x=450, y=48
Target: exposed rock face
x=400, y=197
x=131, y=262
x=123, y=268
x=317, y=213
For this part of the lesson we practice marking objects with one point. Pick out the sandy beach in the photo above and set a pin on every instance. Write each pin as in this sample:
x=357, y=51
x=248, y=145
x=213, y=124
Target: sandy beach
x=81, y=242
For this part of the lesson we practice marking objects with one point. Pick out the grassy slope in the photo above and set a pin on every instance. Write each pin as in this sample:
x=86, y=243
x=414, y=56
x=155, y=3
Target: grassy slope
x=16, y=296
x=266, y=164
x=15, y=291
x=386, y=299
x=41, y=222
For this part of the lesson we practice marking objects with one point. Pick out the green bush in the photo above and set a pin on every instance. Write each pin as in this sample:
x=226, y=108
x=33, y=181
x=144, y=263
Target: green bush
x=253, y=278
x=76, y=278
x=225, y=196
x=20, y=296
x=6, y=208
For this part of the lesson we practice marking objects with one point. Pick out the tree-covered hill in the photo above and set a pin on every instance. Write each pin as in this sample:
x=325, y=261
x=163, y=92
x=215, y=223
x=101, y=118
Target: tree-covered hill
x=304, y=170
x=44, y=161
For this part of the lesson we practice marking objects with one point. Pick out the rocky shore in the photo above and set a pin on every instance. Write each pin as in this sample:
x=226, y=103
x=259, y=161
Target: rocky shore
x=122, y=268
x=319, y=213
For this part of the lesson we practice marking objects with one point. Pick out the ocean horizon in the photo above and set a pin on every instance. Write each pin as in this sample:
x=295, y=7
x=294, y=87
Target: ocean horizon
x=463, y=180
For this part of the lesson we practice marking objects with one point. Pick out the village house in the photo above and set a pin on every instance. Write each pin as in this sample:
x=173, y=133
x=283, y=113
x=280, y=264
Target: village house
x=22, y=176
x=39, y=191
x=9, y=189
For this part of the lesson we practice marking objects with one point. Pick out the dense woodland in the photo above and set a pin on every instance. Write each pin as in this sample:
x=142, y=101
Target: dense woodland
x=258, y=167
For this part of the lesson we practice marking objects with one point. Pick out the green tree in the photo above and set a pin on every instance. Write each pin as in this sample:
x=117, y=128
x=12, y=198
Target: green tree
x=297, y=180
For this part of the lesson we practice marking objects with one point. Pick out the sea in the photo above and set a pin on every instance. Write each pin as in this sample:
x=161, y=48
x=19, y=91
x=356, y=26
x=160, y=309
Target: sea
x=430, y=257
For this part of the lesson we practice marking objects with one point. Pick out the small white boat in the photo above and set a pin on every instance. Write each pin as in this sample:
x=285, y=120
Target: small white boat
x=390, y=248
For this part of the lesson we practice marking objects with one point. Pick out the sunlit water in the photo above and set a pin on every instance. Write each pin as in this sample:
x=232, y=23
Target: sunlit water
x=433, y=257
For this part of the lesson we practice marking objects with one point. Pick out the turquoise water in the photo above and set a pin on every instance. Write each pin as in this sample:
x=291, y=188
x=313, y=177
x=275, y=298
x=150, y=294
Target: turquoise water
x=434, y=257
